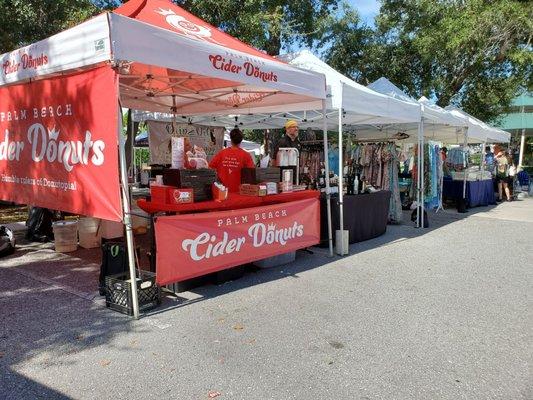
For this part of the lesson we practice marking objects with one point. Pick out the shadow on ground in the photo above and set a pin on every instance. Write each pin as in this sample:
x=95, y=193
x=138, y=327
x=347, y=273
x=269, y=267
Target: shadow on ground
x=40, y=323
x=77, y=272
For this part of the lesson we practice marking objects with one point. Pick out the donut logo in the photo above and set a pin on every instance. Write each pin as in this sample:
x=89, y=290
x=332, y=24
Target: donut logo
x=182, y=197
x=185, y=27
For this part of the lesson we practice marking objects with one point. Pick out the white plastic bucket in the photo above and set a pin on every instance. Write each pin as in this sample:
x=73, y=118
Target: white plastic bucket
x=111, y=229
x=65, y=236
x=89, y=232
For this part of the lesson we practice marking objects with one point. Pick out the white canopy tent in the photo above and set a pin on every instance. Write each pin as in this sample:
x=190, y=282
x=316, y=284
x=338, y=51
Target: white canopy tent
x=348, y=104
x=480, y=129
x=441, y=124
x=449, y=125
x=166, y=60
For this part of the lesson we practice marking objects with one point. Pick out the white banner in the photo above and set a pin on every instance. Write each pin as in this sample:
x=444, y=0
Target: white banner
x=85, y=44
x=209, y=138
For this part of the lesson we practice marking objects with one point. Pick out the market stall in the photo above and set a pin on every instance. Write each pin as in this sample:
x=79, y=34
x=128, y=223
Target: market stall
x=349, y=105
x=439, y=128
x=60, y=118
x=365, y=215
x=477, y=184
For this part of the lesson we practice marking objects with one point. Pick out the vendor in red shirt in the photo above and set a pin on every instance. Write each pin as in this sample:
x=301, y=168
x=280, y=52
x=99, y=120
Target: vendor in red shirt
x=229, y=161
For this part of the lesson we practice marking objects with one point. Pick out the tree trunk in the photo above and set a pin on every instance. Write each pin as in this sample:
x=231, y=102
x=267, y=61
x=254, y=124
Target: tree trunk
x=273, y=47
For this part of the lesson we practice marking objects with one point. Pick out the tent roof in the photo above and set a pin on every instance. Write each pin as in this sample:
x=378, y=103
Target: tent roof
x=169, y=60
x=480, y=129
x=360, y=104
x=175, y=19
x=431, y=113
x=383, y=85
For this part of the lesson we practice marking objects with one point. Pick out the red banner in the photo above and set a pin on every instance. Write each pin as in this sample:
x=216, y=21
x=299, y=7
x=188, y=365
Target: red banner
x=197, y=244
x=58, y=144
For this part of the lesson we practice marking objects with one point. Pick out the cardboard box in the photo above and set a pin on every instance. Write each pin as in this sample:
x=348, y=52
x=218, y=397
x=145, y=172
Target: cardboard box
x=171, y=195
x=253, y=190
x=158, y=193
x=259, y=175
x=272, y=187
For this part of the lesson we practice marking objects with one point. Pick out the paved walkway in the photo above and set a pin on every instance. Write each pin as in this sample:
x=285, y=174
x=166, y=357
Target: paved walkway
x=443, y=313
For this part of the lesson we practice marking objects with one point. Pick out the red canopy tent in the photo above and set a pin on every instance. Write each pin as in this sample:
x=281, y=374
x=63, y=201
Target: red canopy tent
x=60, y=100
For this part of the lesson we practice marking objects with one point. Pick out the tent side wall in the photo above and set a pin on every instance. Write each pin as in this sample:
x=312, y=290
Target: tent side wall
x=58, y=143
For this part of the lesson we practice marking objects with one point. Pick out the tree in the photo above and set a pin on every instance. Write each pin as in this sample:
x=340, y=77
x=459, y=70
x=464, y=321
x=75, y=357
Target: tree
x=269, y=25
x=27, y=21
x=475, y=54
x=348, y=41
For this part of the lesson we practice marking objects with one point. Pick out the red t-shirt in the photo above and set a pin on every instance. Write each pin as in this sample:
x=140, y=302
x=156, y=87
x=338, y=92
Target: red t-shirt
x=228, y=163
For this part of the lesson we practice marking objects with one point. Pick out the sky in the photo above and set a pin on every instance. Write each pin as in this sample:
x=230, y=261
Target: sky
x=368, y=9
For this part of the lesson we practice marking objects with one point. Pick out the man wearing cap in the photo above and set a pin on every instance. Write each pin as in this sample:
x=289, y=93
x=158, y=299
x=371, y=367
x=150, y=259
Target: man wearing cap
x=290, y=139
x=229, y=162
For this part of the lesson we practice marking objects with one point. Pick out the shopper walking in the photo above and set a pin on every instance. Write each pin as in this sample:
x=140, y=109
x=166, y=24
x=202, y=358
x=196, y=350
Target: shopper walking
x=502, y=173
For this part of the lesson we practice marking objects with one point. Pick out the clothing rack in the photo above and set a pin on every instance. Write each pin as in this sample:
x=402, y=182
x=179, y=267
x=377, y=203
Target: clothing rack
x=377, y=161
x=372, y=141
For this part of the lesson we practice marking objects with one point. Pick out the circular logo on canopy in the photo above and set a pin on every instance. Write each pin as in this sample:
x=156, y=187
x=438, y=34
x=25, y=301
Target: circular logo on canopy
x=189, y=26
x=185, y=26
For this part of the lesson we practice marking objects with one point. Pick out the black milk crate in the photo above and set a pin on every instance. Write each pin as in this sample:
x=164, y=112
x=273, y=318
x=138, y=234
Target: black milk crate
x=260, y=175
x=199, y=180
x=118, y=292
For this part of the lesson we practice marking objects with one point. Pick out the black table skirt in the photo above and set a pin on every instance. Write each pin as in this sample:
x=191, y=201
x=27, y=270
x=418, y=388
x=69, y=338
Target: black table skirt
x=365, y=216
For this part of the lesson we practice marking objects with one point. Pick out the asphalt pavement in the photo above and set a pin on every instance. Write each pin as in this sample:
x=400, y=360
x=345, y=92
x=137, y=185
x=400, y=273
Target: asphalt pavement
x=440, y=313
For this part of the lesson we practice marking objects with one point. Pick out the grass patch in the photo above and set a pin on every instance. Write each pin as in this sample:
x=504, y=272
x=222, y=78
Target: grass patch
x=9, y=214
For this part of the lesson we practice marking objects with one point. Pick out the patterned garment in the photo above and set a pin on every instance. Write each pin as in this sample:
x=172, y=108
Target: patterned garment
x=379, y=164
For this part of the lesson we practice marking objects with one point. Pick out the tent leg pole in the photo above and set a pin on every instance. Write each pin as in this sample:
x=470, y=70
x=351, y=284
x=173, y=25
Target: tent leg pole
x=481, y=159
x=326, y=165
x=341, y=173
x=423, y=174
x=466, y=163
x=127, y=218
x=418, y=170
x=522, y=147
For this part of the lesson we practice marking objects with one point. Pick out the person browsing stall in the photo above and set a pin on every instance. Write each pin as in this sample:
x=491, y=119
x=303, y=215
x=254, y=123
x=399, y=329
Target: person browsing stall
x=489, y=159
x=502, y=173
x=230, y=161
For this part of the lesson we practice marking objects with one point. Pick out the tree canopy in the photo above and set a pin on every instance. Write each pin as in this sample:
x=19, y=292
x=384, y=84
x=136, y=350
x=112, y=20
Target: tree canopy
x=475, y=54
x=23, y=22
x=270, y=25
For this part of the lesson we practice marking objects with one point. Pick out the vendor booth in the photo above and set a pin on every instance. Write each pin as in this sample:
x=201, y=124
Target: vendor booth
x=477, y=186
x=62, y=141
x=349, y=105
x=440, y=127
